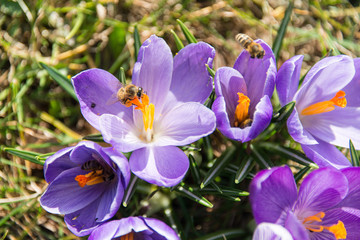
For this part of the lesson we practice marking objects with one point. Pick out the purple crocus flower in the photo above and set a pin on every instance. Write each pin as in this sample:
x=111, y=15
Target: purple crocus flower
x=134, y=228
x=169, y=114
x=323, y=115
x=87, y=184
x=326, y=206
x=243, y=108
x=271, y=231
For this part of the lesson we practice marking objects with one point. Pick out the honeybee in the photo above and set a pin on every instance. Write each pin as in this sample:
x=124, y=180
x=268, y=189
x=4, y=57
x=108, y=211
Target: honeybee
x=126, y=94
x=255, y=49
x=97, y=168
x=91, y=165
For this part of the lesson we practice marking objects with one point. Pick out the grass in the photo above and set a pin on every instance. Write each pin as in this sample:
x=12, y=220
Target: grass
x=39, y=114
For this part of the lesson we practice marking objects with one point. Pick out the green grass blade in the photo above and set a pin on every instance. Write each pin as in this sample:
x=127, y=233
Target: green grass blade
x=94, y=138
x=137, y=42
x=282, y=30
x=354, y=155
x=299, y=175
x=178, y=42
x=122, y=76
x=188, y=35
x=261, y=158
x=211, y=71
x=130, y=190
x=27, y=155
x=60, y=79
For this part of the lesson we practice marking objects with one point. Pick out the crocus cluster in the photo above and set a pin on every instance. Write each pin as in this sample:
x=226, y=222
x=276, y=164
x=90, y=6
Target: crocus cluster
x=325, y=207
x=87, y=181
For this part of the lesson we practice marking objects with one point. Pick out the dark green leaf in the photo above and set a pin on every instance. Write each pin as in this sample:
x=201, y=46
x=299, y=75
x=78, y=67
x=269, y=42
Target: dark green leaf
x=224, y=234
x=179, y=44
x=299, y=175
x=354, y=155
x=137, y=42
x=260, y=157
x=189, y=193
x=188, y=35
x=63, y=81
x=219, y=165
x=194, y=169
x=130, y=190
x=282, y=30
x=245, y=167
x=288, y=153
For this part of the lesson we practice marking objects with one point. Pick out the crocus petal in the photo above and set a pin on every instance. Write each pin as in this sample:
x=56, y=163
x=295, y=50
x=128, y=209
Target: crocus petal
x=55, y=201
x=352, y=89
x=138, y=225
x=123, y=135
x=322, y=82
x=161, y=228
x=261, y=118
x=325, y=155
x=349, y=216
x=83, y=221
x=184, y=124
x=297, y=130
x=57, y=163
x=153, y=70
x=272, y=193
x=163, y=166
x=336, y=127
x=287, y=79
x=259, y=74
x=190, y=73
x=270, y=231
x=294, y=226
x=110, y=200
x=229, y=82
x=85, y=151
x=320, y=190
x=352, y=199
x=95, y=88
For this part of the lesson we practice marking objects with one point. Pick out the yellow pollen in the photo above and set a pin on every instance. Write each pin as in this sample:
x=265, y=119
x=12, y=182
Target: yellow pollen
x=148, y=110
x=129, y=236
x=338, y=229
x=91, y=178
x=242, y=111
x=326, y=106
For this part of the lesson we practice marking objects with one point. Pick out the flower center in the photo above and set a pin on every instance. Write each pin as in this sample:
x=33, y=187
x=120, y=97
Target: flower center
x=148, y=110
x=97, y=174
x=129, y=236
x=242, y=118
x=338, y=229
x=326, y=106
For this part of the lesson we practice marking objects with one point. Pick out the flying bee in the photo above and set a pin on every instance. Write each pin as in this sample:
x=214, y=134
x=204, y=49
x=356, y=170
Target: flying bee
x=254, y=48
x=126, y=94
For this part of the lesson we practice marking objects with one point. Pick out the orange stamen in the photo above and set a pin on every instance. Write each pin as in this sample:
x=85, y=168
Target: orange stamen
x=148, y=110
x=129, y=236
x=326, y=106
x=338, y=229
x=242, y=110
x=90, y=178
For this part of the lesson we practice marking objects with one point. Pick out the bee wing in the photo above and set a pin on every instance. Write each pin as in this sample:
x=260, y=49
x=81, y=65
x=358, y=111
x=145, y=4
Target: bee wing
x=113, y=99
